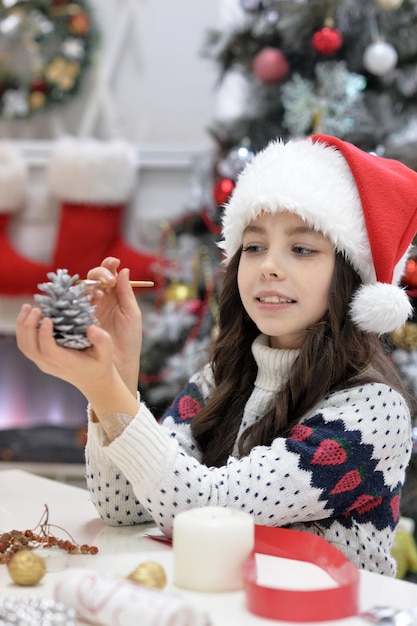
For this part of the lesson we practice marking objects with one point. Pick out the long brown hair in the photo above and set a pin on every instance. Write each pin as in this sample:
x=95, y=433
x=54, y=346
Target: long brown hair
x=335, y=355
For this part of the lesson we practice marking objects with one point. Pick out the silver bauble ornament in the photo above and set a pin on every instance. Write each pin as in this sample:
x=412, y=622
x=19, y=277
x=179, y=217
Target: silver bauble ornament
x=235, y=161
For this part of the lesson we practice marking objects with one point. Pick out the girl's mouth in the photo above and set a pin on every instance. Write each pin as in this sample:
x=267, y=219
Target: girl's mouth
x=274, y=300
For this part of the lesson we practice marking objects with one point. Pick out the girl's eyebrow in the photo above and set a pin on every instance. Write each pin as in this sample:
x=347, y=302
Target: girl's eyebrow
x=295, y=230
x=252, y=228
x=301, y=230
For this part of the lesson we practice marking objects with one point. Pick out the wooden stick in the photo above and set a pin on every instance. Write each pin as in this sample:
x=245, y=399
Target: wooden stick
x=99, y=283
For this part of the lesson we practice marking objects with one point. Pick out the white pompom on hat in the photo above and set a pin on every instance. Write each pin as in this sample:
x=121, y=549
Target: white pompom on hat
x=365, y=204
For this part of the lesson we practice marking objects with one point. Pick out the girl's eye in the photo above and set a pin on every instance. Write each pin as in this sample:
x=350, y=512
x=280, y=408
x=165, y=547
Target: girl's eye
x=303, y=251
x=252, y=247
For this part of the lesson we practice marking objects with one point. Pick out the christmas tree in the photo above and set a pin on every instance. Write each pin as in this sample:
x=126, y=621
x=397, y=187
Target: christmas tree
x=339, y=67
x=177, y=333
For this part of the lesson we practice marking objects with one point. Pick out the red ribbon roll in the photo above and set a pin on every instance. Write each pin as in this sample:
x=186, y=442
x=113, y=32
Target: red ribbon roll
x=301, y=606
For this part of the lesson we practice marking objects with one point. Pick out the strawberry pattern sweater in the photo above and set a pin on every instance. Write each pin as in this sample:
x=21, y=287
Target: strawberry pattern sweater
x=339, y=474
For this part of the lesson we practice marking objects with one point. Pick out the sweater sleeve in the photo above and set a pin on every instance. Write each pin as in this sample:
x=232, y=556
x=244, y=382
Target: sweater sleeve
x=345, y=458
x=110, y=490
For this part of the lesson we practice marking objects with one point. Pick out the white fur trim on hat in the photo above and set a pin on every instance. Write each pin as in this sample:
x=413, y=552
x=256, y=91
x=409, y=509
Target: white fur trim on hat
x=380, y=308
x=294, y=177
x=13, y=178
x=92, y=171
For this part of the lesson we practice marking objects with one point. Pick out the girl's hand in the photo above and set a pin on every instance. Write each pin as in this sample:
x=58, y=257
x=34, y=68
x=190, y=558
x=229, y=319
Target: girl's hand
x=81, y=368
x=92, y=371
x=118, y=313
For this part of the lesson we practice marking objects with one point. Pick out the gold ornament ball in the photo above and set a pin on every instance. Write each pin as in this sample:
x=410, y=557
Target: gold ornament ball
x=388, y=5
x=406, y=336
x=179, y=292
x=26, y=568
x=37, y=100
x=150, y=574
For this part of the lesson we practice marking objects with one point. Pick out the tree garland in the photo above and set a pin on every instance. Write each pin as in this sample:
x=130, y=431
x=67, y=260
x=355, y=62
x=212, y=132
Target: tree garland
x=45, y=48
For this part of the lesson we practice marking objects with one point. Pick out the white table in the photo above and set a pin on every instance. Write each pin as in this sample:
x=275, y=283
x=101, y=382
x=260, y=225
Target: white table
x=22, y=499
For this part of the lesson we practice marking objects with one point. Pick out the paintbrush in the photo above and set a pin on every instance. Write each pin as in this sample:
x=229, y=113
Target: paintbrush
x=101, y=284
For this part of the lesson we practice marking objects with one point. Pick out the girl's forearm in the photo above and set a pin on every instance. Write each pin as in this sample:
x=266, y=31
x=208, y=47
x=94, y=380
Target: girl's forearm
x=113, y=405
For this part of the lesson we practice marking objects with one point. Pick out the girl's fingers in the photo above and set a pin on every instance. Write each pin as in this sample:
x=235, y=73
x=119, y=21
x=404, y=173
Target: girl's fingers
x=106, y=272
x=45, y=330
x=23, y=314
x=27, y=328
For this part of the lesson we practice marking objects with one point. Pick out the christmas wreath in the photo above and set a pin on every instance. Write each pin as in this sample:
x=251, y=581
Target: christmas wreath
x=45, y=49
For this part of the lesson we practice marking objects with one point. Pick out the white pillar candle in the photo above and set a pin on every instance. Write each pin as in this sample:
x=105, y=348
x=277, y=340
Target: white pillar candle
x=210, y=545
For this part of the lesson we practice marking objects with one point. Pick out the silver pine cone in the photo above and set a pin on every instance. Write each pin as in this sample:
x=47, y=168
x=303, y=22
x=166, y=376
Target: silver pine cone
x=68, y=306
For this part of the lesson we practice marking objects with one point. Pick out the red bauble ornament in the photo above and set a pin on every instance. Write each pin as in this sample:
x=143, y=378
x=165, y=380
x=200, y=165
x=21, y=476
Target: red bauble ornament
x=270, y=65
x=39, y=85
x=409, y=278
x=222, y=190
x=79, y=24
x=327, y=40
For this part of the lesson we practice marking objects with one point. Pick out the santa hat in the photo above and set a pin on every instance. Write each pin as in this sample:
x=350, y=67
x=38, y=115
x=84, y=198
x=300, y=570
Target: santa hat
x=365, y=204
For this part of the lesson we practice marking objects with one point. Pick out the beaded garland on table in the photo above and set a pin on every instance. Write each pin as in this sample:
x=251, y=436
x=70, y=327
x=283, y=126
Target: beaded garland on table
x=45, y=49
x=34, y=611
x=15, y=541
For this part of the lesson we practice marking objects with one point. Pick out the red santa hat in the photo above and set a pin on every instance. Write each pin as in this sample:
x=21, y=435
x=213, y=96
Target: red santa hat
x=365, y=204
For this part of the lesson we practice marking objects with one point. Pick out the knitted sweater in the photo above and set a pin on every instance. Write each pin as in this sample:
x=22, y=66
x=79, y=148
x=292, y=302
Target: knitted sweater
x=339, y=474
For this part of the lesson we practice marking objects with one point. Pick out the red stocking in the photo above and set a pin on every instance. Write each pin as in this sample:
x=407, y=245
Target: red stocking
x=18, y=274
x=93, y=181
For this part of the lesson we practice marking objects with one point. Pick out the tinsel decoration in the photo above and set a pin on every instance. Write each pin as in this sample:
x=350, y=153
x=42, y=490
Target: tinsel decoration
x=67, y=303
x=328, y=105
x=46, y=48
x=34, y=610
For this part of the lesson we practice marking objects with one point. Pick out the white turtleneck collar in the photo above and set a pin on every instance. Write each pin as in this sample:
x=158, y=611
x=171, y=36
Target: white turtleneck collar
x=273, y=364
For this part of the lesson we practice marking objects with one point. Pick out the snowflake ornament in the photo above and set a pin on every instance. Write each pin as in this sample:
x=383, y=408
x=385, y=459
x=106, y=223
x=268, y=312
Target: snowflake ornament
x=328, y=105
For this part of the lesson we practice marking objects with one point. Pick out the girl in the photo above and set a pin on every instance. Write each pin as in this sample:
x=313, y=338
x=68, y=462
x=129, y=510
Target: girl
x=299, y=418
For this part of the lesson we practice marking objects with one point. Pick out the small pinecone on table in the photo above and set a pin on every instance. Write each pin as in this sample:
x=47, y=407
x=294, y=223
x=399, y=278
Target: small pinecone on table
x=68, y=306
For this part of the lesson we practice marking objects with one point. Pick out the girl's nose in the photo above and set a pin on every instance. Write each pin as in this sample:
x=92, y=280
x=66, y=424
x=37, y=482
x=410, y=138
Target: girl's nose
x=272, y=268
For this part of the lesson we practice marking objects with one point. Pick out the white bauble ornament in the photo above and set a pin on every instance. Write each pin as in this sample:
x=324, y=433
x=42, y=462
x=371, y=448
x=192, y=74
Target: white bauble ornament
x=254, y=5
x=388, y=5
x=380, y=58
x=232, y=96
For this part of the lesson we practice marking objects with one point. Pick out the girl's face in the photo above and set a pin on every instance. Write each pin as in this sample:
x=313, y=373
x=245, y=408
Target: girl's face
x=284, y=277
